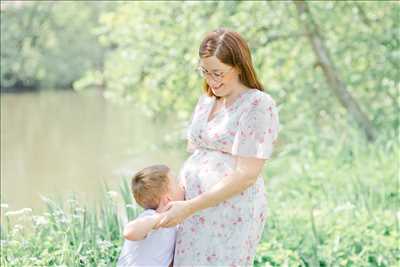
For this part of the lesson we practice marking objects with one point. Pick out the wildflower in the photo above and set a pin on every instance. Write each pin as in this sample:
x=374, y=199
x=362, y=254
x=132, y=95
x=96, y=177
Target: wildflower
x=17, y=228
x=104, y=245
x=23, y=211
x=4, y=206
x=40, y=220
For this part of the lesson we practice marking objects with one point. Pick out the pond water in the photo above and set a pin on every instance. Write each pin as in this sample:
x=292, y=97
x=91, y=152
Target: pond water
x=57, y=142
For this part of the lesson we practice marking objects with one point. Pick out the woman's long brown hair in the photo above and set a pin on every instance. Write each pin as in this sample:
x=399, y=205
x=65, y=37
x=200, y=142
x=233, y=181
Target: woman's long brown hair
x=231, y=49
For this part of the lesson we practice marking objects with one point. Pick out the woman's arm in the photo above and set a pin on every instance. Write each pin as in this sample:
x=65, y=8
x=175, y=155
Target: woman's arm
x=245, y=174
x=139, y=228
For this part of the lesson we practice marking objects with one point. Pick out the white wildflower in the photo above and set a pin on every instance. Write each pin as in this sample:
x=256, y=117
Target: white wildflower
x=16, y=229
x=23, y=211
x=4, y=206
x=104, y=245
x=40, y=220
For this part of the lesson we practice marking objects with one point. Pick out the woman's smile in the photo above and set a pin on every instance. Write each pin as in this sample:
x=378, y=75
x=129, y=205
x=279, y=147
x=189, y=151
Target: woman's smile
x=217, y=87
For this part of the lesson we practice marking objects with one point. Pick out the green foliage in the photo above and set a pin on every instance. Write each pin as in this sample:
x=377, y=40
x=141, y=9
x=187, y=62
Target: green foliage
x=48, y=44
x=76, y=235
x=333, y=197
x=153, y=55
x=337, y=205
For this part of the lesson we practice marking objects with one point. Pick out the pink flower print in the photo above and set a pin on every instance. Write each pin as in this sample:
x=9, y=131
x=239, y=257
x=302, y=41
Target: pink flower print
x=202, y=220
x=239, y=219
x=193, y=229
x=269, y=130
x=231, y=133
x=256, y=102
x=216, y=135
x=211, y=257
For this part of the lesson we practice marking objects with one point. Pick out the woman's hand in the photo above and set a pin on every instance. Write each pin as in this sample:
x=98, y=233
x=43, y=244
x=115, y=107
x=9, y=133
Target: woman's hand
x=174, y=213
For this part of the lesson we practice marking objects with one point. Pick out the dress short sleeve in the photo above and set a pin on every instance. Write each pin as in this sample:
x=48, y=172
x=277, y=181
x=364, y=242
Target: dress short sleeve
x=258, y=129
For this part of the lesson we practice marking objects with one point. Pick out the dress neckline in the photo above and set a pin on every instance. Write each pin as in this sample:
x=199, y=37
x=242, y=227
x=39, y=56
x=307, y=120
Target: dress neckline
x=224, y=108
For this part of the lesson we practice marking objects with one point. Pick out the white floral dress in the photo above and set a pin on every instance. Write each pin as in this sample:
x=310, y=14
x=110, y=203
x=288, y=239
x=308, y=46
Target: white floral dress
x=228, y=233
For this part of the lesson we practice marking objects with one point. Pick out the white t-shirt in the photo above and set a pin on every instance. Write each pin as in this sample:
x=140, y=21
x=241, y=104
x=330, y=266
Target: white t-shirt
x=157, y=249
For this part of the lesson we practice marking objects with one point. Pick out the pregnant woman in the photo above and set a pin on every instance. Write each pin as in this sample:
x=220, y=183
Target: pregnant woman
x=233, y=129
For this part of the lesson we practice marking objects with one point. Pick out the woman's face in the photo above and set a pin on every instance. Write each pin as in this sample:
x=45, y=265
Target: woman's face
x=220, y=77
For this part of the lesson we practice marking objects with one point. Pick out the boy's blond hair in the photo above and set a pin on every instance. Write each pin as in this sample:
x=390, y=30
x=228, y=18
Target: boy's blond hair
x=149, y=185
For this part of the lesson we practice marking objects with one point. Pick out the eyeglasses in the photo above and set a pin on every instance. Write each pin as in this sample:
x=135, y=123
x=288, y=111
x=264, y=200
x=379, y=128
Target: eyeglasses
x=216, y=76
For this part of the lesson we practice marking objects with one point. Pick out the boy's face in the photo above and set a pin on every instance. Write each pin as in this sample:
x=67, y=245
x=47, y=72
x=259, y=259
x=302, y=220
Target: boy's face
x=177, y=192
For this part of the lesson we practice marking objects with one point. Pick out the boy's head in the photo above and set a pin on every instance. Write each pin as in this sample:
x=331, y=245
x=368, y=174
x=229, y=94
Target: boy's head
x=155, y=185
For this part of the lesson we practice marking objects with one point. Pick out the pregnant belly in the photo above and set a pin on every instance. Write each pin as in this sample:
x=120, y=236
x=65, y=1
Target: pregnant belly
x=204, y=168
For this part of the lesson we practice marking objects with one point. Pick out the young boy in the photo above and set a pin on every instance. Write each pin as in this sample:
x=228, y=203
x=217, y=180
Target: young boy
x=153, y=187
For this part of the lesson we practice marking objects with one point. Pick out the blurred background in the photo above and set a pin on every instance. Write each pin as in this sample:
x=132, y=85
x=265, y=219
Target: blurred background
x=93, y=90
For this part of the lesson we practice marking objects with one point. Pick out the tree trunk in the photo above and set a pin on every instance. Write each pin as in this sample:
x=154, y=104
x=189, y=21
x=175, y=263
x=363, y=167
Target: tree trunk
x=337, y=86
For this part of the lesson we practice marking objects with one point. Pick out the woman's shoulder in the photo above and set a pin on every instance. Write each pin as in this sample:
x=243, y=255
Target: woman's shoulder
x=262, y=97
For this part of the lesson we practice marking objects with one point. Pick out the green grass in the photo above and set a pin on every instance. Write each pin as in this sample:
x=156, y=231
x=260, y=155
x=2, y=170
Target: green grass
x=331, y=203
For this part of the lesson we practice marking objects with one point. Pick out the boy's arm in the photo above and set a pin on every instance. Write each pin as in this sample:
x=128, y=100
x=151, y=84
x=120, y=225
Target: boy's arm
x=139, y=228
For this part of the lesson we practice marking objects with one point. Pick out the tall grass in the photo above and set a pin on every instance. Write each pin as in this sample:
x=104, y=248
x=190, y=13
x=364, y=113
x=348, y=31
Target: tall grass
x=333, y=203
